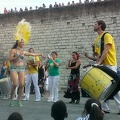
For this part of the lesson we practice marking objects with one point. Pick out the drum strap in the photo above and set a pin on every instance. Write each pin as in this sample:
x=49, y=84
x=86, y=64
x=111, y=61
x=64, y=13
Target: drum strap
x=102, y=42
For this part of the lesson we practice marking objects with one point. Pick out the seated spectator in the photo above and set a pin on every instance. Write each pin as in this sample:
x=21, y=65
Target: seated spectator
x=80, y=2
x=73, y=3
x=68, y=4
x=12, y=11
x=86, y=1
x=100, y=0
x=30, y=8
x=26, y=9
x=92, y=1
x=62, y=4
x=21, y=10
x=92, y=110
x=5, y=11
x=15, y=116
x=59, y=5
x=56, y=5
x=3, y=70
x=36, y=7
x=15, y=10
x=44, y=6
x=50, y=6
x=59, y=110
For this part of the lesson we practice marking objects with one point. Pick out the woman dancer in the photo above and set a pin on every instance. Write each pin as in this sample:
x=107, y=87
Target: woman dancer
x=73, y=81
x=17, y=69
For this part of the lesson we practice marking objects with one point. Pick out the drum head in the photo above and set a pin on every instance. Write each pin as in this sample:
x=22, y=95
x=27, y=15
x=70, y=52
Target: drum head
x=5, y=86
x=98, y=84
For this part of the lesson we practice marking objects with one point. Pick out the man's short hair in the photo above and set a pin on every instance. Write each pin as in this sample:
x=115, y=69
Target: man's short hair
x=59, y=110
x=102, y=23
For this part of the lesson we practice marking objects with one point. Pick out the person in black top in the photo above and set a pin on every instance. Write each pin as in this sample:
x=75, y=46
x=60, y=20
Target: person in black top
x=41, y=77
x=73, y=81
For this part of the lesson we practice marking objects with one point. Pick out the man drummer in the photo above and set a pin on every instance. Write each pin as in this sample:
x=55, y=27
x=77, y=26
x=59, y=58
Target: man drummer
x=106, y=56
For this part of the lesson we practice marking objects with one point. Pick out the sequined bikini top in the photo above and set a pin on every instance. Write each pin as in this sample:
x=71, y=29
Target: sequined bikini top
x=21, y=58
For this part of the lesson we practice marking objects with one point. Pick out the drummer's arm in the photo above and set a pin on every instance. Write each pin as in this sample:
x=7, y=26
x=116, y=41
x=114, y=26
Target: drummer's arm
x=90, y=57
x=76, y=66
x=104, y=54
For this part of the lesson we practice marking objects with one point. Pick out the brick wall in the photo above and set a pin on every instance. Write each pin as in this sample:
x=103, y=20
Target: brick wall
x=64, y=30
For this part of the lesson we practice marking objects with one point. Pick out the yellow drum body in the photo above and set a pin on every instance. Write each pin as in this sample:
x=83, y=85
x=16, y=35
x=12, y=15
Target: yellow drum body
x=5, y=86
x=97, y=84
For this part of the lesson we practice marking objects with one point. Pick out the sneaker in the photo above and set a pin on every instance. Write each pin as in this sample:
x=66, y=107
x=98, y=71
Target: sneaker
x=11, y=104
x=19, y=104
x=37, y=100
x=55, y=100
x=14, y=98
x=4, y=98
x=25, y=98
x=50, y=100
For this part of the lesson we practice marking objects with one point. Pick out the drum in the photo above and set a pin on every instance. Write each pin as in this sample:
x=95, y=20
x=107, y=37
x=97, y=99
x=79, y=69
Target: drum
x=5, y=86
x=97, y=84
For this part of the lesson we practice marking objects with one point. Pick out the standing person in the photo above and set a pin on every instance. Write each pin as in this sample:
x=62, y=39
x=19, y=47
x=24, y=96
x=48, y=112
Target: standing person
x=17, y=69
x=3, y=70
x=32, y=76
x=41, y=78
x=54, y=76
x=73, y=81
x=92, y=110
x=106, y=56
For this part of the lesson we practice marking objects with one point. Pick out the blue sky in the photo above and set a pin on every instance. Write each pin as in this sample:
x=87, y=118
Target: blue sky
x=22, y=3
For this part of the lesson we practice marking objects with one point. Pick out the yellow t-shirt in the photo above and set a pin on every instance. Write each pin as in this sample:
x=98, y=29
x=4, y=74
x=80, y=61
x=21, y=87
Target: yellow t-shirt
x=32, y=69
x=110, y=58
x=8, y=64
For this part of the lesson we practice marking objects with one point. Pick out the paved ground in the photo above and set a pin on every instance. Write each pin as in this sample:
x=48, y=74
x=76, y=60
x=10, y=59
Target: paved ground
x=41, y=110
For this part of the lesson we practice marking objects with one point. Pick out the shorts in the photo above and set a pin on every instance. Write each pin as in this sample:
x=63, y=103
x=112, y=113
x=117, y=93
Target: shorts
x=17, y=68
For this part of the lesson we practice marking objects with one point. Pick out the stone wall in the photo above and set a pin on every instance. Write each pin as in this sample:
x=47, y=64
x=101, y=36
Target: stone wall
x=64, y=30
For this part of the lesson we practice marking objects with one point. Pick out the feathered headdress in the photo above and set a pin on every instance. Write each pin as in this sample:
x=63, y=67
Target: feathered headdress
x=23, y=31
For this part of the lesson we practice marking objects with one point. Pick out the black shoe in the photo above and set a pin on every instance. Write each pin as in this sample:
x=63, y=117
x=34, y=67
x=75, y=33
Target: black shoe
x=72, y=102
x=119, y=112
x=106, y=111
x=77, y=101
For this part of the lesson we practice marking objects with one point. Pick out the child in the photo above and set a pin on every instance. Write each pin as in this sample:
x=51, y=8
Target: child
x=92, y=110
x=59, y=110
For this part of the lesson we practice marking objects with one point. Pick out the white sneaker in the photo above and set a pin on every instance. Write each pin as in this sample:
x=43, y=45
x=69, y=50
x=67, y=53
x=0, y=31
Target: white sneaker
x=37, y=100
x=15, y=98
x=50, y=100
x=5, y=98
x=25, y=98
x=55, y=100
